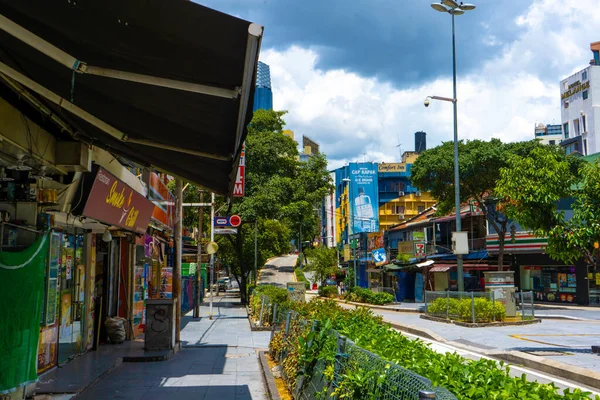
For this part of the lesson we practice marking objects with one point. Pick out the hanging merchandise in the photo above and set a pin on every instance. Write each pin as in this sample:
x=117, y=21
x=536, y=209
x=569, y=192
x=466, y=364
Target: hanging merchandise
x=22, y=275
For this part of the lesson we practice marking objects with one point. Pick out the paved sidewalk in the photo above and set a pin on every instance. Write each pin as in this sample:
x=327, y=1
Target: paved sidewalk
x=218, y=360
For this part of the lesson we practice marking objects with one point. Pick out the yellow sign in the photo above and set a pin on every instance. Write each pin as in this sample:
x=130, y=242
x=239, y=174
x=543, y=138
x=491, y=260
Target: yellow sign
x=575, y=88
x=395, y=167
x=346, y=252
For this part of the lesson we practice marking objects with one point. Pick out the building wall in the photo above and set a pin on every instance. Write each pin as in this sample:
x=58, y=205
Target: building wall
x=402, y=208
x=574, y=108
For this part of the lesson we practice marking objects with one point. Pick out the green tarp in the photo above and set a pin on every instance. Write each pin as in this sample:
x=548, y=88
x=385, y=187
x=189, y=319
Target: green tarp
x=21, y=298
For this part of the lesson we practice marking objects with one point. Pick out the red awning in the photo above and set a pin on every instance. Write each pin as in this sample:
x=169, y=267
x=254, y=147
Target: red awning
x=441, y=268
x=466, y=267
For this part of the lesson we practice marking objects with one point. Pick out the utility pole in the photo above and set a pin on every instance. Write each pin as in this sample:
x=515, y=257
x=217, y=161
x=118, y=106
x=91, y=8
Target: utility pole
x=199, y=262
x=212, y=256
x=178, y=255
x=301, y=254
x=256, y=252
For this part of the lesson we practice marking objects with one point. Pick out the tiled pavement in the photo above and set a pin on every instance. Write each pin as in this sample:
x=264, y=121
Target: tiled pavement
x=218, y=361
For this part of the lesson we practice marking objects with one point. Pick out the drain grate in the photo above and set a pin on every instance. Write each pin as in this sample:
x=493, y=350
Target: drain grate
x=546, y=353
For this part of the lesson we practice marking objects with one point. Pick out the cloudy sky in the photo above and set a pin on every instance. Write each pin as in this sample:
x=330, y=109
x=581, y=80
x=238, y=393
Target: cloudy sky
x=353, y=74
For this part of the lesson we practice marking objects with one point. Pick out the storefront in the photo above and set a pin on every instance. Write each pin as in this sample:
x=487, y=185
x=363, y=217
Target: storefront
x=550, y=283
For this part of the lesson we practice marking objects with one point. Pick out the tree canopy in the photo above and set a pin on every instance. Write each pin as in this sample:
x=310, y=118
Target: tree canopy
x=480, y=163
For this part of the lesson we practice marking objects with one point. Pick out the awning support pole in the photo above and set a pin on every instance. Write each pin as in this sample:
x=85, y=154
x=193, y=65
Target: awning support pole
x=78, y=66
x=98, y=123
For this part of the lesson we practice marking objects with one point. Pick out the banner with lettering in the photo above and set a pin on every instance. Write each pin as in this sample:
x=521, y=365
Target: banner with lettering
x=113, y=202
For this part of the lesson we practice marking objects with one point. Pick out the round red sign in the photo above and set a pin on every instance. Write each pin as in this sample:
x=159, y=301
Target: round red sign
x=235, y=220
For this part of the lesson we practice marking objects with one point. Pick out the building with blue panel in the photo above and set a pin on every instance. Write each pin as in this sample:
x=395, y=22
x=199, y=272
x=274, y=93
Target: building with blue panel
x=263, y=96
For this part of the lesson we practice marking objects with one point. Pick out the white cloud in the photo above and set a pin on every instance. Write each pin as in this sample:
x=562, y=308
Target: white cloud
x=351, y=115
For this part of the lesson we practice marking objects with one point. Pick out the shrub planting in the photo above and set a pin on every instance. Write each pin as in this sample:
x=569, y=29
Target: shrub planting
x=301, y=278
x=462, y=309
x=362, y=295
x=328, y=291
x=467, y=379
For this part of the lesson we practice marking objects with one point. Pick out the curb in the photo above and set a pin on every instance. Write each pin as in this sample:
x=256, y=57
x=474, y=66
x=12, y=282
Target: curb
x=374, y=306
x=482, y=324
x=272, y=391
x=566, y=371
x=415, y=330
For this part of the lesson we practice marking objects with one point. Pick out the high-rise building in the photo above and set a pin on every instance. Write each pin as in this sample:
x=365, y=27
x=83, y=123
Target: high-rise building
x=580, y=119
x=263, y=96
x=548, y=134
x=420, y=141
x=309, y=148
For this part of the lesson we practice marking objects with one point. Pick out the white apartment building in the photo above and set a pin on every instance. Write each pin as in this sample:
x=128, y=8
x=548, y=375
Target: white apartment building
x=580, y=108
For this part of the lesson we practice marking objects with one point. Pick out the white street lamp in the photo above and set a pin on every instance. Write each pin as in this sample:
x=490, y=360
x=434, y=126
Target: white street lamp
x=454, y=8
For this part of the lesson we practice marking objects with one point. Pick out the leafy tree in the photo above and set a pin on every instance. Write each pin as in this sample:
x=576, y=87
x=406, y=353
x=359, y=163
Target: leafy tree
x=479, y=166
x=281, y=192
x=322, y=261
x=534, y=184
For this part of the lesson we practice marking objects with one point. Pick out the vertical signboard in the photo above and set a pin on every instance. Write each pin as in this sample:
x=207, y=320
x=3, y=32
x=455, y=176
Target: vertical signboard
x=240, y=180
x=364, y=197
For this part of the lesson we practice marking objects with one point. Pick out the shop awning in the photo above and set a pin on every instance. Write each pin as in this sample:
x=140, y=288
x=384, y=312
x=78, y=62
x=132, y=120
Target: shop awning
x=441, y=268
x=425, y=263
x=166, y=84
x=393, y=267
x=466, y=267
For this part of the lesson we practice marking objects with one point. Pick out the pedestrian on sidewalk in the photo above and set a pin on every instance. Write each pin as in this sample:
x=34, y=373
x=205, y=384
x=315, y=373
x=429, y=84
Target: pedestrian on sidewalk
x=342, y=288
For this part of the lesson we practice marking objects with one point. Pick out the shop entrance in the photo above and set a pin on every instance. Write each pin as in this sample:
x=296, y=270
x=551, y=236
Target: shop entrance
x=72, y=299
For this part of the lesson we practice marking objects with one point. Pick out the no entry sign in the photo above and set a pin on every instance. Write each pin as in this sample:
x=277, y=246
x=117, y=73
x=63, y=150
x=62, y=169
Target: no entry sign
x=232, y=221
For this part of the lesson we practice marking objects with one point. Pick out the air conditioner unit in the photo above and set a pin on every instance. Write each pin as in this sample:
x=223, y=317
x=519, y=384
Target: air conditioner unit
x=418, y=193
x=400, y=193
x=73, y=156
x=400, y=216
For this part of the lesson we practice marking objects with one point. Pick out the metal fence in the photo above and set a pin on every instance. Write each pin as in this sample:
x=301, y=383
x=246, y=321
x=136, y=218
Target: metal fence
x=476, y=307
x=384, y=380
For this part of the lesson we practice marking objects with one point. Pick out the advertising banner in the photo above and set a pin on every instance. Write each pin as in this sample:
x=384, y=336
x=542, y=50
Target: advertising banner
x=364, y=197
x=164, y=202
x=379, y=256
x=240, y=181
x=112, y=201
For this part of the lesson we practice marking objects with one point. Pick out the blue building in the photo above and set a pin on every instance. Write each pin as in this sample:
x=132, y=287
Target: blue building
x=263, y=96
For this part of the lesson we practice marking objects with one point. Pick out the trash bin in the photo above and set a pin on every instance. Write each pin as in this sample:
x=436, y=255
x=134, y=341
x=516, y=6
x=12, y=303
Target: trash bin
x=160, y=324
x=314, y=286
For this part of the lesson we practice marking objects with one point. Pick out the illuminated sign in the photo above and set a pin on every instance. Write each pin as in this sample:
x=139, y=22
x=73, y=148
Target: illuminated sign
x=240, y=180
x=575, y=88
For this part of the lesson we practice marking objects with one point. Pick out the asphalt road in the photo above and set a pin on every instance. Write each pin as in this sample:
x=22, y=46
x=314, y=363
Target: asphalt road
x=278, y=271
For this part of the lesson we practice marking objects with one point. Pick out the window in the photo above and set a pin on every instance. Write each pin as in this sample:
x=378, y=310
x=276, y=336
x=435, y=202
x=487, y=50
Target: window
x=584, y=76
x=576, y=147
x=585, y=94
x=552, y=142
x=566, y=129
x=400, y=209
x=585, y=153
x=565, y=86
x=583, y=124
x=576, y=127
x=420, y=209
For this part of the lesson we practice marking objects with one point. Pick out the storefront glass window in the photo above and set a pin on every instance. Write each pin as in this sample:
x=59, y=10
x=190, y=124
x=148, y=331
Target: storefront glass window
x=555, y=284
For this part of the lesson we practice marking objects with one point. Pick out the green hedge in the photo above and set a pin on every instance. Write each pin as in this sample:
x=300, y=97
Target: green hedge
x=467, y=379
x=301, y=278
x=276, y=294
x=362, y=295
x=462, y=309
x=328, y=291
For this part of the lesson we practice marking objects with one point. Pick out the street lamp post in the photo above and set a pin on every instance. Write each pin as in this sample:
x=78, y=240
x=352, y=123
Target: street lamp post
x=453, y=8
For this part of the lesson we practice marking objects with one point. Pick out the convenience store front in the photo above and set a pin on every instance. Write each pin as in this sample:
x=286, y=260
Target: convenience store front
x=556, y=284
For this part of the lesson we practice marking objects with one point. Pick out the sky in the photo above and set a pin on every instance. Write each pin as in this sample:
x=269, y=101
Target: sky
x=353, y=74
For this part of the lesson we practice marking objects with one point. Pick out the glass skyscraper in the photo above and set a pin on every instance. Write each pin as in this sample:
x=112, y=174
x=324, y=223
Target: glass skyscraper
x=263, y=96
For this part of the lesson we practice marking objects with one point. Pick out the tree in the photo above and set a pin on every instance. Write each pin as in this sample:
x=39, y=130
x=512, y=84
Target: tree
x=534, y=184
x=479, y=166
x=280, y=192
x=322, y=261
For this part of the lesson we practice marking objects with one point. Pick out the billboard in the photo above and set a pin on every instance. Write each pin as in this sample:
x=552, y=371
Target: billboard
x=364, y=197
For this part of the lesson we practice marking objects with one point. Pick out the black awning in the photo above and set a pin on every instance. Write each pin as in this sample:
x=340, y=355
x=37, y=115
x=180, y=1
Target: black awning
x=209, y=56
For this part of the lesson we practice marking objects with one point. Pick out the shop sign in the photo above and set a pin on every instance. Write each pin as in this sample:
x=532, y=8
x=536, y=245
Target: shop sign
x=240, y=180
x=113, y=202
x=394, y=167
x=374, y=241
x=164, y=202
x=419, y=250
